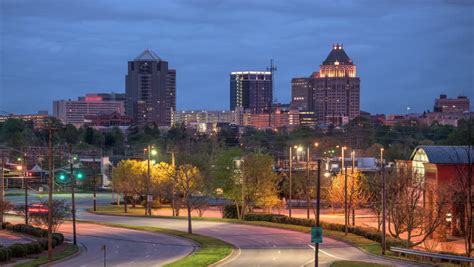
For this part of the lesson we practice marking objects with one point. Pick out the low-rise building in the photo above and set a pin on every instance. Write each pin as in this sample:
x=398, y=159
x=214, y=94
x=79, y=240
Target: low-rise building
x=444, y=104
x=74, y=111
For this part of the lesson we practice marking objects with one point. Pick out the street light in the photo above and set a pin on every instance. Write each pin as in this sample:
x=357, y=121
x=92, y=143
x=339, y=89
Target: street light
x=72, y=158
x=298, y=149
x=151, y=152
x=342, y=157
x=381, y=155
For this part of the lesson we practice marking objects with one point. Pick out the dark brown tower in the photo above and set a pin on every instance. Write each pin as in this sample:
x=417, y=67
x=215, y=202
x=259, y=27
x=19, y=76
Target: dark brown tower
x=150, y=90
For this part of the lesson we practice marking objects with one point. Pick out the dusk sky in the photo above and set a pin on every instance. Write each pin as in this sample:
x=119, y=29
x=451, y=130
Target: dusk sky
x=407, y=52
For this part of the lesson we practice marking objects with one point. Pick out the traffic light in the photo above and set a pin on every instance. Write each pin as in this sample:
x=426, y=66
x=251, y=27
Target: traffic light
x=62, y=177
x=79, y=175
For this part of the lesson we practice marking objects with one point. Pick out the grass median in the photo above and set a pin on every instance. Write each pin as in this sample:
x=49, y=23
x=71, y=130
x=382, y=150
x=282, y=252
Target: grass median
x=361, y=242
x=210, y=250
x=69, y=250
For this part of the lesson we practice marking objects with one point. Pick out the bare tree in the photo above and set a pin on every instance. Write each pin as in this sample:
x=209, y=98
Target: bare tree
x=406, y=212
x=463, y=199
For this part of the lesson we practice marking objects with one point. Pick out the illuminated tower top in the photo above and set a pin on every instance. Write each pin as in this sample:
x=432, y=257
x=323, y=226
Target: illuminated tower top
x=337, y=64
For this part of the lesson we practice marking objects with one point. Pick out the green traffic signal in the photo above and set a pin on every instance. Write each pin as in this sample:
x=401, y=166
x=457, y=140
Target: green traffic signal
x=79, y=175
x=62, y=177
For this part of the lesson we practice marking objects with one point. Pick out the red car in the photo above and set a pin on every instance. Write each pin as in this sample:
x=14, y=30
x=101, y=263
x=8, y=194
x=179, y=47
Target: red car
x=37, y=208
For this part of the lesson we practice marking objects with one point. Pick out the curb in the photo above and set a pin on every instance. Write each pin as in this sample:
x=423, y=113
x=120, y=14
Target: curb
x=79, y=251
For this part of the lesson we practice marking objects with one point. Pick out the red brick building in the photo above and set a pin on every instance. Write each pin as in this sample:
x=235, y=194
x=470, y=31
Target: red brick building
x=444, y=169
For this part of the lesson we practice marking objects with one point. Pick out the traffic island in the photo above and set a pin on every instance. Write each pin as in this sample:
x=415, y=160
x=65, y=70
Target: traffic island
x=31, y=250
x=209, y=250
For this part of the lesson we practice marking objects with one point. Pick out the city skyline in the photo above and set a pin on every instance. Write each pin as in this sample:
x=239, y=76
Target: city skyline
x=407, y=53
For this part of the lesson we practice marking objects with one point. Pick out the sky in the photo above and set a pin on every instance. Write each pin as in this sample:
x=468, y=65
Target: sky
x=407, y=52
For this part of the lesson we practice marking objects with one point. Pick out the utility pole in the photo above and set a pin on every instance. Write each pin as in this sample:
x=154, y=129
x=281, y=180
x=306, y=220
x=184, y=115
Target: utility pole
x=173, y=163
x=308, y=181
x=318, y=206
x=50, y=194
x=94, y=178
x=2, y=184
x=147, y=203
x=291, y=183
x=352, y=187
x=73, y=185
x=384, y=208
x=346, y=219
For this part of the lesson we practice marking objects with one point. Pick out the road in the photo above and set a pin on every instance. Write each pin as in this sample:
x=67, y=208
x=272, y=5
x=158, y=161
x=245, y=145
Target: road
x=255, y=245
x=124, y=247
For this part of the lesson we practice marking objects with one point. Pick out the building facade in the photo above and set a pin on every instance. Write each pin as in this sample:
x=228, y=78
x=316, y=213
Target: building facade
x=74, y=111
x=188, y=117
x=251, y=90
x=275, y=120
x=333, y=92
x=150, y=89
x=442, y=170
x=444, y=104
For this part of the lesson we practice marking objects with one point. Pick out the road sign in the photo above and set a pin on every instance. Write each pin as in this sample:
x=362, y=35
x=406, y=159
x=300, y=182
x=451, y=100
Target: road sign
x=150, y=198
x=316, y=235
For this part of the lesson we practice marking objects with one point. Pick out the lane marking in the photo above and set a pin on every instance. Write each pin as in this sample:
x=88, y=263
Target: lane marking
x=324, y=252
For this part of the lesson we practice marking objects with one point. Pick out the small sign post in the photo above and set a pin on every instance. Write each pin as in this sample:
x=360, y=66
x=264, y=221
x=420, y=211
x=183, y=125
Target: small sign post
x=316, y=235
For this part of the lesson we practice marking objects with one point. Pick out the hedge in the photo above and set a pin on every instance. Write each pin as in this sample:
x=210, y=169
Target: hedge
x=35, y=247
x=367, y=232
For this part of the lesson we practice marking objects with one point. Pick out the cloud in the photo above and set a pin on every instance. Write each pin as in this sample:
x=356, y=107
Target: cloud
x=406, y=51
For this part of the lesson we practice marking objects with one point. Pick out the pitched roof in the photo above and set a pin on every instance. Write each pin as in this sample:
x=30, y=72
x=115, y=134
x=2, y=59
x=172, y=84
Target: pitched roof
x=338, y=54
x=447, y=154
x=148, y=55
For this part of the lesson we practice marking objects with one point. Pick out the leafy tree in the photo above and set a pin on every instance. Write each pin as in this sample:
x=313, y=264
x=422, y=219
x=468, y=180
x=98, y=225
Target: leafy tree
x=114, y=140
x=226, y=178
x=260, y=182
x=188, y=181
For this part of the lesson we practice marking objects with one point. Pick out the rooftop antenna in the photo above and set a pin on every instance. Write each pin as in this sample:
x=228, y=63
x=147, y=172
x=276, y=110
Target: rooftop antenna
x=272, y=69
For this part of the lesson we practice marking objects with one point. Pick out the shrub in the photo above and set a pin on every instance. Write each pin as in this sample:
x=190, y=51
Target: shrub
x=59, y=238
x=5, y=254
x=230, y=212
x=33, y=248
x=369, y=233
x=4, y=225
x=43, y=243
x=18, y=250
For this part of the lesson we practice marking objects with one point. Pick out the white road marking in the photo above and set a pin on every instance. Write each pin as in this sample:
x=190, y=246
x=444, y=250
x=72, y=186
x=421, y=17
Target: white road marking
x=324, y=252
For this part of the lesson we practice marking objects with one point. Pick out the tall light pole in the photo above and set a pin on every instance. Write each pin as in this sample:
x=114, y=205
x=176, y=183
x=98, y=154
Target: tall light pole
x=308, y=180
x=346, y=217
x=342, y=157
x=50, y=193
x=94, y=178
x=381, y=155
x=73, y=185
x=291, y=181
x=352, y=186
x=150, y=152
x=384, y=207
x=318, y=205
x=2, y=184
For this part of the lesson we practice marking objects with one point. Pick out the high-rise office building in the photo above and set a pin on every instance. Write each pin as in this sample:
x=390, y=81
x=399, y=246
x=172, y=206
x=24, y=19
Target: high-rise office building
x=251, y=90
x=74, y=111
x=150, y=90
x=333, y=92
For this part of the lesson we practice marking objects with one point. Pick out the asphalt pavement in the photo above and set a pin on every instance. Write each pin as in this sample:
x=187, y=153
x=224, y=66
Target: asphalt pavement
x=255, y=245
